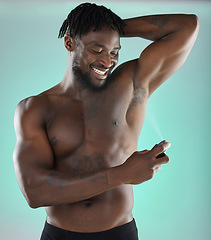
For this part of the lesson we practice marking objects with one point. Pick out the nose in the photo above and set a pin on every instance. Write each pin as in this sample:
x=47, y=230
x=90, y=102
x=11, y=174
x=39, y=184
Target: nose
x=106, y=60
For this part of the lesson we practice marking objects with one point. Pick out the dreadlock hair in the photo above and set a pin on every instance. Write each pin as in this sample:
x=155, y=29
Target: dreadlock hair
x=89, y=16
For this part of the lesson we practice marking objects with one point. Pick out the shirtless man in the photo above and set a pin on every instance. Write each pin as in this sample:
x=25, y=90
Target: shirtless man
x=76, y=151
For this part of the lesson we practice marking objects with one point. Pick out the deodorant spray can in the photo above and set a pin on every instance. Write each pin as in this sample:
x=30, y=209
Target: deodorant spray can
x=164, y=152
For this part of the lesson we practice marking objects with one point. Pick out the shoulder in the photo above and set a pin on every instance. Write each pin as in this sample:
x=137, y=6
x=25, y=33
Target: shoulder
x=30, y=112
x=126, y=69
x=32, y=104
x=129, y=72
x=35, y=103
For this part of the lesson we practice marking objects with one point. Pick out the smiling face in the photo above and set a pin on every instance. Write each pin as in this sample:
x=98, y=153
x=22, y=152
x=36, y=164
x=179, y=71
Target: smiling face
x=95, y=55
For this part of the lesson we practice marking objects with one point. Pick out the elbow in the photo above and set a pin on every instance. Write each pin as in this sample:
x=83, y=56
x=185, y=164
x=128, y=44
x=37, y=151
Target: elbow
x=193, y=23
x=190, y=28
x=35, y=195
x=32, y=198
x=32, y=205
x=32, y=202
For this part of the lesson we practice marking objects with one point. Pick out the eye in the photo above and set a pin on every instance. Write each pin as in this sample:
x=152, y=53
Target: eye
x=97, y=50
x=114, y=54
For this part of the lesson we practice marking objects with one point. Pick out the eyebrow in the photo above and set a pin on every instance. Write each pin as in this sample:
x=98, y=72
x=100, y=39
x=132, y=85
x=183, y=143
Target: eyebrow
x=103, y=46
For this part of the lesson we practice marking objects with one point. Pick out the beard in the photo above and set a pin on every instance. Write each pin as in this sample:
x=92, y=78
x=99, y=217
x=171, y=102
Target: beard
x=85, y=78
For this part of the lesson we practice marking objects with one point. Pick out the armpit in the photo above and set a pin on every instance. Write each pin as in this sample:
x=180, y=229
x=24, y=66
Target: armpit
x=139, y=95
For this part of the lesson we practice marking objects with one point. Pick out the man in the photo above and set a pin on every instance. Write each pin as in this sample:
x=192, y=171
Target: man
x=76, y=142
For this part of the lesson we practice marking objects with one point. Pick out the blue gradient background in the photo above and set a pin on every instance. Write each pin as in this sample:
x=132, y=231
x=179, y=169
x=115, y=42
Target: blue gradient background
x=175, y=204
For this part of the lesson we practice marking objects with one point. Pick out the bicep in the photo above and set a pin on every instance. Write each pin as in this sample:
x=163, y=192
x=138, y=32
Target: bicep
x=163, y=58
x=33, y=152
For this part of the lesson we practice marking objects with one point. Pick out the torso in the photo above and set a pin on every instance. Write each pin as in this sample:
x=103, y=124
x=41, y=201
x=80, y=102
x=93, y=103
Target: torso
x=97, y=134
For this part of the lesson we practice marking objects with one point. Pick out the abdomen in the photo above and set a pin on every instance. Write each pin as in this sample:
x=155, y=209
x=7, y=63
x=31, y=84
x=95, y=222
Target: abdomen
x=105, y=211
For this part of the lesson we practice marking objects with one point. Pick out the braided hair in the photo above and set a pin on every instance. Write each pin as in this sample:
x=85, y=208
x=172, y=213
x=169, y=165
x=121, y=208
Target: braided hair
x=89, y=16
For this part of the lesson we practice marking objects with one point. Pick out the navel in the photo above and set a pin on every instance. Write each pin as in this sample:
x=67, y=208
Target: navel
x=88, y=204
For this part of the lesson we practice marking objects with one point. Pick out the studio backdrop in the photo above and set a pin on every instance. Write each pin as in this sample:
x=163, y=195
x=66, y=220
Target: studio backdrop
x=175, y=204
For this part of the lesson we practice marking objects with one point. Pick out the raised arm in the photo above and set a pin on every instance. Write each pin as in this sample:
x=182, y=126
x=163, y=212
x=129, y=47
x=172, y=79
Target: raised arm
x=173, y=36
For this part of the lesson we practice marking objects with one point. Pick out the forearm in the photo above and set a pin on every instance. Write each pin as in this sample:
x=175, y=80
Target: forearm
x=155, y=27
x=54, y=188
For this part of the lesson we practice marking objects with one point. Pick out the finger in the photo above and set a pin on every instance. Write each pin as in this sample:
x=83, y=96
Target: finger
x=157, y=168
x=156, y=150
x=161, y=160
x=145, y=151
x=161, y=155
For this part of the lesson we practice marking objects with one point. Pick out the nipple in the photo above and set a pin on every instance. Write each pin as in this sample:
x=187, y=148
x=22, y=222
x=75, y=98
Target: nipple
x=115, y=123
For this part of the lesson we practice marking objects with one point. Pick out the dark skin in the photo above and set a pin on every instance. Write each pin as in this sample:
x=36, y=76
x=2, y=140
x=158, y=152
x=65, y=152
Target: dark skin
x=76, y=151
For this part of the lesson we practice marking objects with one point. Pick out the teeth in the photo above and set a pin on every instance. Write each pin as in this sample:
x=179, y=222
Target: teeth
x=99, y=71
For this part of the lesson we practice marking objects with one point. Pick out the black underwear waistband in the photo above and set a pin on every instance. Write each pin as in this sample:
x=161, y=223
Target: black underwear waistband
x=120, y=232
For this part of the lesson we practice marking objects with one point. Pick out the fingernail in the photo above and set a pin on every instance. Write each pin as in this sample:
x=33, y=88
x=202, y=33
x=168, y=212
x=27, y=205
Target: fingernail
x=167, y=145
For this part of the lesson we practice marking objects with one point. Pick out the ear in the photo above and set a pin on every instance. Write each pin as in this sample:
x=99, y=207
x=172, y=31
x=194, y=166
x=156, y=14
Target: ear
x=69, y=43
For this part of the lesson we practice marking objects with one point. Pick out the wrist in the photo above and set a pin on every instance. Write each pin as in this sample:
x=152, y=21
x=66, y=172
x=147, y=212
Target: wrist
x=115, y=176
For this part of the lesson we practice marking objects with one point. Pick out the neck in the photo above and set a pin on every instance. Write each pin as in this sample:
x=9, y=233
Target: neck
x=70, y=85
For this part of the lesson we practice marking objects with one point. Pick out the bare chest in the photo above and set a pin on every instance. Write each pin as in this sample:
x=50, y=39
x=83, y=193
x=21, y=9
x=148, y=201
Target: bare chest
x=101, y=128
